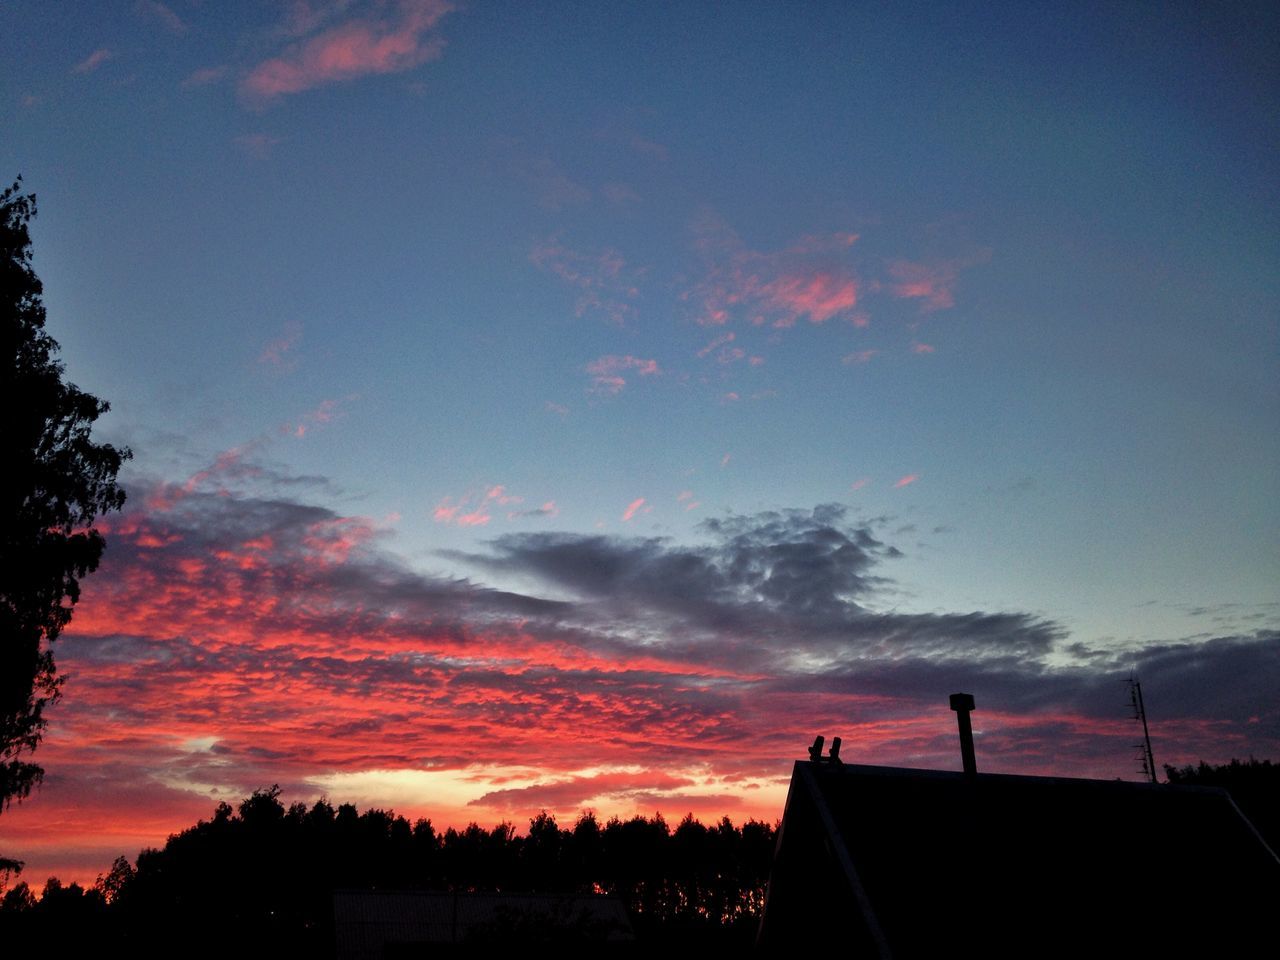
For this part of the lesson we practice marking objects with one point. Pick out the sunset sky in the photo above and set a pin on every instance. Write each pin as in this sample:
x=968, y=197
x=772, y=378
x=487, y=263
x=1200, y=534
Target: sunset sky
x=583, y=405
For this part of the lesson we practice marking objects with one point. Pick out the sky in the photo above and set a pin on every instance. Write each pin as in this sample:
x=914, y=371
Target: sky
x=581, y=406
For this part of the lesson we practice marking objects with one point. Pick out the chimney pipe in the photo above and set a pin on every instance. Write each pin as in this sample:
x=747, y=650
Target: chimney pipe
x=962, y=703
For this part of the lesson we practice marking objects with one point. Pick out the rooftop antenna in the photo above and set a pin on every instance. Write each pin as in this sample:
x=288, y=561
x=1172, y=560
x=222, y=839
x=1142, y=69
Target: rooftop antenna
x=1145, y=758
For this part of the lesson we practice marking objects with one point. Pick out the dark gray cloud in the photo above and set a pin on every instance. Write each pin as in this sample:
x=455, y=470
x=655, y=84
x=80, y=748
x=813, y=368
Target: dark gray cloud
x=771, y=587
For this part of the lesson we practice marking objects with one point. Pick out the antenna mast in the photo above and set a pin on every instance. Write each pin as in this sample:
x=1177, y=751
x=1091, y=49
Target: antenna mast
x=1140, y=713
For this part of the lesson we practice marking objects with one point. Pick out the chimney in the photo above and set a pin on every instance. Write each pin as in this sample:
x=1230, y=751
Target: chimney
x=962, y=703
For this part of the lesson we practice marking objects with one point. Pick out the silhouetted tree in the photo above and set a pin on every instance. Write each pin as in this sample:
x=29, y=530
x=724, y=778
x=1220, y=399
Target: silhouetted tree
x=264, y=874
x=54, y=482
x=1253, y=784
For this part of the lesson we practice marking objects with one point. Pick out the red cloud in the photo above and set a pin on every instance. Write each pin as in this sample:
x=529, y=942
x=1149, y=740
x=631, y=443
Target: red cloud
x=909, y=479
x=354, y=49
x=632, y=508
x=232, y=640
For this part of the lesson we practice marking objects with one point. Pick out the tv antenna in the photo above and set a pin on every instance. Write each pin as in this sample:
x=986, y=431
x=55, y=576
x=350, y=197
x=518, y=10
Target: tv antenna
x=1145, y=758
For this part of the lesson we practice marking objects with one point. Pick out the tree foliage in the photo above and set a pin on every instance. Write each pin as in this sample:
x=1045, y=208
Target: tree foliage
x=264, y=873
x=54, y=484
x=1254, y=785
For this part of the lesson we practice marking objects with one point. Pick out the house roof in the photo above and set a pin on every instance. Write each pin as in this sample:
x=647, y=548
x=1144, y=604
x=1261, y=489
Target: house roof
x=921, y=862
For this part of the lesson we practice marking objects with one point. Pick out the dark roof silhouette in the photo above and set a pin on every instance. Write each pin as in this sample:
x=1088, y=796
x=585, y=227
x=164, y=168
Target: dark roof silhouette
x=909, y=863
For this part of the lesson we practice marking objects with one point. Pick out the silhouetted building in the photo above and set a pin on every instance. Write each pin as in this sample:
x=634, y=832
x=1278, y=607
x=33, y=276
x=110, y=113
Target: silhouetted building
x=377, y=924
x=928, y=863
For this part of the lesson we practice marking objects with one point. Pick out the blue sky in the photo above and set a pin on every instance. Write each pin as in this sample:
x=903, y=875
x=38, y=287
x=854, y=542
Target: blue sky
x=998, y=280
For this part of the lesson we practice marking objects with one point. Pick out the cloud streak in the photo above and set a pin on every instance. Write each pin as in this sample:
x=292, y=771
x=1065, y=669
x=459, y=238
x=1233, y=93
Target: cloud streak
x=94, y=60
x=607, y=372
x=384, y=41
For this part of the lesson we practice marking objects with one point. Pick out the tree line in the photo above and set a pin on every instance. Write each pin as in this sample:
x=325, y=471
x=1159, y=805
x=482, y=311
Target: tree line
x=264, y=873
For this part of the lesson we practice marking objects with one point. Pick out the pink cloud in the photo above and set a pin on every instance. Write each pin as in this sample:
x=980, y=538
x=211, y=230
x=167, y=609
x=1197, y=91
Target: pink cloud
x=500, y=495
x=93, y=61
x=918, y=347
x=860, y=483
x=717, y=342
x=274, y=351
x=325, y=412
x=906, y=481
x=607, y=372
x=173, y=22
x=557, y=408
x=607, y=286
x=205, y=76
x=446, y=511
x=820, y=296
x=354, y=49
x=726, y=354
x=858, y=356
x=810, y=279
x=724, y=461
x=632, y=508
x=472, y=510
x=932, y=283
x=228, y=465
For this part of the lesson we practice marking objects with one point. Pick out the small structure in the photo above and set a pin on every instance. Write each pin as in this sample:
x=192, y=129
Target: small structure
x=895, y=862
x=376, y=924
